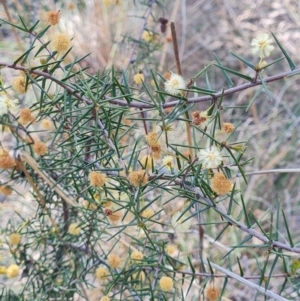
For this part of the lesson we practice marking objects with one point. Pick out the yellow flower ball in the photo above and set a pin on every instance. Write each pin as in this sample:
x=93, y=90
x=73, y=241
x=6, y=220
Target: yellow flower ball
x=220, y=184
x=139, y=78
x=40, y=148
x=53, y=17
x=136, y=255
x=114, y=261
x=74, y=229
x=61, y=42
x=14, y=238
x=12, y=271
x=105, y=298
x=97, y=178
x=166, y=283
x=19, y=84
x=101, y=273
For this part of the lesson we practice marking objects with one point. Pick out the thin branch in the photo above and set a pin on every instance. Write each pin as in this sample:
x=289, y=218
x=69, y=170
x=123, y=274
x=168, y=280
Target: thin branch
x=279, y=170
x=240, y=279
x=143, y=105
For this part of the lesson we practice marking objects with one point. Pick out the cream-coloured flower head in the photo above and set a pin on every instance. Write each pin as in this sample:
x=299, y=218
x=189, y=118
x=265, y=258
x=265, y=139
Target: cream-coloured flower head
x=12, y=271
x=220, y=184
x=101, y=273
x=6, y=103
x=105, y=298
x=152, y=138
x=47, y=124
x=228, y=127
x=171, y=249
x=61, y=42
x=26, y=116
x=147, y=36
x=53, y=17
x=114, y=260
x=14, y=238
x=175, y=84
x=210, y=157
x=181, y=224
x=19, y=84
x=168, y=162
x=97, y=178
x=138, y=177
x=74, y=229
x=262, y=45
x=136, y=255
x=40, y=148
x=166, y=283
x=138, y=78
x=148, y=212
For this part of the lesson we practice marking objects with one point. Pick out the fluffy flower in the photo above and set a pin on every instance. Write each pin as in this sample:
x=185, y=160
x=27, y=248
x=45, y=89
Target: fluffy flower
x=171, y=249
x=26, y=116
x=147, y=36
x=228, y=127
x=53, y=17
x=139, y=78
x=19, y=84
x=181, y=224
x=5, y=190
x=148, y=212
x=146, y=162
x=114, y=260
x=136, y=255
x=14, y=238
x=155, y=151
x=175, y=84
x=262, y=45
x=12, y=271
x=97, y=178
x=200, y=118
x=74, y=229
x=210, y=157
x=61, y=42
x=6, y=103
x=152, y=138
x=138, y=177
x=168, y=162
x=220, y=184
x=166, y=283
x=6, y=161
x=47, y=124
x=40, y=148
x=101, y=273
x=105, y=298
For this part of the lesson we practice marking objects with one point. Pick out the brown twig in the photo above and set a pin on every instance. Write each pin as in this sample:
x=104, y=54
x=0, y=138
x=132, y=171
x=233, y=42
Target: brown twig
x=143, y=105
x=177, y=60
